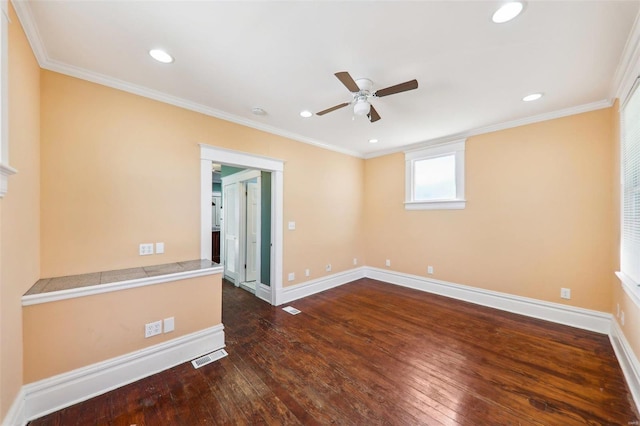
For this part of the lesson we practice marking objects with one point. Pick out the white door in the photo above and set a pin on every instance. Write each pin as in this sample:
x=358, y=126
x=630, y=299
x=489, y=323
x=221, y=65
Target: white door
x=231, y=231
x=252, y=235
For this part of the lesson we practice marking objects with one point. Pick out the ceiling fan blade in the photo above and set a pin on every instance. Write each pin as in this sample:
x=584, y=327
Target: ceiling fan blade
x=402, y=87
x=373, y=115
x=333, y=108
x=348, y=82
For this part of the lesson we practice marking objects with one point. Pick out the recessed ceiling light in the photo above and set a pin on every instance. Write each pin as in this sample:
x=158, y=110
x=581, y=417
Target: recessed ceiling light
x=532, y=97
x=161, y=56
x=507, y=12
x=306, y=114
x=258, y=111
x=373, y=140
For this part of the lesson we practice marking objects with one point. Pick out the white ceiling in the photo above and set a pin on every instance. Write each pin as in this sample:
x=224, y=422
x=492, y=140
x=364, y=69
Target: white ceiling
x=281, y=56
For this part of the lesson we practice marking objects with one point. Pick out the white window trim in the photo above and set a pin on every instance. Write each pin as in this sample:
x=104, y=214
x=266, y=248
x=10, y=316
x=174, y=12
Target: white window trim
x=629, y=285
x=5, y=169
x=455, y=147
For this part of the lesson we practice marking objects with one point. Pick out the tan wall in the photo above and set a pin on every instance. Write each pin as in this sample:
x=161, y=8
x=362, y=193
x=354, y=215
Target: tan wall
x=324, y=195
x=20, y=222
x=119, y=170
x=538, y=216
x=90, y=329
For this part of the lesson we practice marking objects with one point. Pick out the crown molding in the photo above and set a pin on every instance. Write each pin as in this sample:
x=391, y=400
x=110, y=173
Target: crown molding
x=628, y=68
x=25, y=16
x=35, y=40
x=593, y=106
x=185, y=104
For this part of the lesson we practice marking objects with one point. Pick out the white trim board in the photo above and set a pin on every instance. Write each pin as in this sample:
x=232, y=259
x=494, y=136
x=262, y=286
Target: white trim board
x=308, y=288
x=210, y=154
x=23, y=10
x=586, y=319
x=15, y=415
x=25, y=15
x=629, y=65
x=627, y=360
x=38, y=399
x=52, y=296
x=54, y=393
x=574, y=110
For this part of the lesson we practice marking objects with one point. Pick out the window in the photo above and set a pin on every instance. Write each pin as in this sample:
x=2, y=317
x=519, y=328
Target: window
x=435, y=177
x=630, y=221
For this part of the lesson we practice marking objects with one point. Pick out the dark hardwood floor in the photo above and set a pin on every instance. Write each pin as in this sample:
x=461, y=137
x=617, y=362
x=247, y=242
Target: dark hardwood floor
x=371, y=353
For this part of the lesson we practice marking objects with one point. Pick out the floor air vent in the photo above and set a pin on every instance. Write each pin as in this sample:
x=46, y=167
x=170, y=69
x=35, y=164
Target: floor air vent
x=291, y=310
x=209, y=358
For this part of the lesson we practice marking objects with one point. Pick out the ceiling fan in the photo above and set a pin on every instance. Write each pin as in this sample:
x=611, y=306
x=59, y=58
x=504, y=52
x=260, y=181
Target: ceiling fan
x=361, y=91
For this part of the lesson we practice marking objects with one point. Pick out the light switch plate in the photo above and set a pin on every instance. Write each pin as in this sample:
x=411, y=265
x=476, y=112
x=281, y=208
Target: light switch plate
x=169, y=324
x=292, y=226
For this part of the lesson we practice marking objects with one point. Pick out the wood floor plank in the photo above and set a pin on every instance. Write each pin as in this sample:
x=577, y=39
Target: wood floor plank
x=373, y=353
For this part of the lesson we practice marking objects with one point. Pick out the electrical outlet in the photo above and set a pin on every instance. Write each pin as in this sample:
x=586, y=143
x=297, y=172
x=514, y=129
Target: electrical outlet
x=146, y=249
x=429, y=270
x=388, y=262
x=292, y=276
x=159, y=248
x=355, y=260
x=307, y=272
x=169, y=324
x=292, y=226
x=152, y=328
x=565, y=293
x=328, y=267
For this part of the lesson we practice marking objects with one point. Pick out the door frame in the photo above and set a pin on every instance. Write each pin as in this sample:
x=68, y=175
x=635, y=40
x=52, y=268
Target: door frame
x=210, y=154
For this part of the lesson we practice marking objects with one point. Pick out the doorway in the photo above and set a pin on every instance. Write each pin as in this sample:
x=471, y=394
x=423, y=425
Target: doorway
x=268, y=230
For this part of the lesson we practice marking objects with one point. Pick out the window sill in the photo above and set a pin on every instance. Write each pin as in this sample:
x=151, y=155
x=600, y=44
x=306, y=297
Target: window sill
x=5, y=172
x=630, y=287
x=435, y=205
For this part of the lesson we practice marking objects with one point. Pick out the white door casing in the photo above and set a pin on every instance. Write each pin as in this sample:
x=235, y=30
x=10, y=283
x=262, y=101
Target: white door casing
x=210, y=154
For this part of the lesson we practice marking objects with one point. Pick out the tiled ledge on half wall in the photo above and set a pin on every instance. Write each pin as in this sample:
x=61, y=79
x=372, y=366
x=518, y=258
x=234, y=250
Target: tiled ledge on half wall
x=60, y=288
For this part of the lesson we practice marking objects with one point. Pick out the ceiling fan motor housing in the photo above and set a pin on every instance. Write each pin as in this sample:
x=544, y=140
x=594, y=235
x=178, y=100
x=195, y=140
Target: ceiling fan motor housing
x=365, y=85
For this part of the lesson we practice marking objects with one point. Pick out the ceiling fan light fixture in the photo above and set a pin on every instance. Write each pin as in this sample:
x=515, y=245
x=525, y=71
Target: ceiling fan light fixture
x=507, y=12
x=306, y=114
x=361, y=107
x=161, y=56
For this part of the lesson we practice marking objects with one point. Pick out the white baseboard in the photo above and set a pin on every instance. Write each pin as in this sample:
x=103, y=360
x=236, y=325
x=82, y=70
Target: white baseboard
x=15, y=415
x=309, y=288
x=586, y=319
x=55, y=393
x=40, y=398
x=627, y=359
